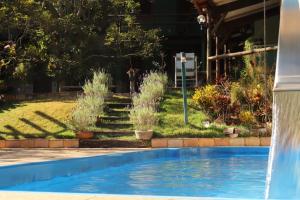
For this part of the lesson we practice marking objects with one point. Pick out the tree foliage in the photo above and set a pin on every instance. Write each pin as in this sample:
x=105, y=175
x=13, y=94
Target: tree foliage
x=66, y=38
x=126, y=37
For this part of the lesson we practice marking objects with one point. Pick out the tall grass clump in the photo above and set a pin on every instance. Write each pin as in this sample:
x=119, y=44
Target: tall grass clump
x=144, y=111
x=151, y=90
x=91, y=104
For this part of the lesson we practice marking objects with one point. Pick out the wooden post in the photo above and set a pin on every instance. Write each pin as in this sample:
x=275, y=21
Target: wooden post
x=217, y=61
x=208, y=65
x=225, y=61
x=229, y=63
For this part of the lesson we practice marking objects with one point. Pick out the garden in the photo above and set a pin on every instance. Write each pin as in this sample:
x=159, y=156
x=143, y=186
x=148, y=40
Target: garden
x=43, y=53
x=243, y=106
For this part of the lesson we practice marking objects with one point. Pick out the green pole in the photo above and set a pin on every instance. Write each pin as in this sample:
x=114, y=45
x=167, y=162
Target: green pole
x=184, y=93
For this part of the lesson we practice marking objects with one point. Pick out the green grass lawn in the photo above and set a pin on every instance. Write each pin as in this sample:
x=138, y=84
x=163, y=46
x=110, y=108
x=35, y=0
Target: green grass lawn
x=36, y=119
x=171, y=123
x=49, y=119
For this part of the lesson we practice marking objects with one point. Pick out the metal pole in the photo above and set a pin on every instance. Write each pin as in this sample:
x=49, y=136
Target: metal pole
x=265, y=54
x=196, y=70
x=208, y=66
x=184, y=92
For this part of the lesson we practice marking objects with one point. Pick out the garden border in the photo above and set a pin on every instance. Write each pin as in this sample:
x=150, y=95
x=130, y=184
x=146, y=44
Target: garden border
x=209, y=142
x=40, y=143
x=155, y=143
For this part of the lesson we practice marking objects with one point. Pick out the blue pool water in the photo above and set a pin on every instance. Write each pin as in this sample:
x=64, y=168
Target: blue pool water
x=206, y=172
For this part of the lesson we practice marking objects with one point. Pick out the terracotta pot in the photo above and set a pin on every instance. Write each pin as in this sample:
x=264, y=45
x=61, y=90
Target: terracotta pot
x=234, y=135
x=143, y=135
x=84, y=135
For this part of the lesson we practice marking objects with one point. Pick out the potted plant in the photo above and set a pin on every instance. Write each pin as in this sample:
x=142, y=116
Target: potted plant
x=143, y=119
x=82, y=118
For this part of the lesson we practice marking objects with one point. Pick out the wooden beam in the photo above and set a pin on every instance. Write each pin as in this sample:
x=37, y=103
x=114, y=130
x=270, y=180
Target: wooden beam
x=217, y=61
x=250, y=10
x=217, y=25
x=228, y=28
x=236, y=5
x=225, y=62
x=241, y=53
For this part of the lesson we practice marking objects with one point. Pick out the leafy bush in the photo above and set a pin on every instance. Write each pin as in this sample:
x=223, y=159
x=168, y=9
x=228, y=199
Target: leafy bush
x=83, y=115
x=99, y=84
x=236, y=93
x=143, y=113
x=91, y=105
x=144, y=118
x=213, y=100
x=205, y=98
x=247, y=118
x=151, y=90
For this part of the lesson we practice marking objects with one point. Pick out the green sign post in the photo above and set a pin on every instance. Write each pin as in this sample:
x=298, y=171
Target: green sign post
x=184, y=92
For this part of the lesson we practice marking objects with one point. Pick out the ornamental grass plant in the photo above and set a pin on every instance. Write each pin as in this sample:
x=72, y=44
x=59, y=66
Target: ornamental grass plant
x=144, y=111
x=91, y=104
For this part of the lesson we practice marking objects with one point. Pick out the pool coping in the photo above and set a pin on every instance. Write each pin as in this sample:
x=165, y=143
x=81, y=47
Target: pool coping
x=210, y=142
x=39, y=143
x=155, y=142
x=85, y=196
x=13, y=156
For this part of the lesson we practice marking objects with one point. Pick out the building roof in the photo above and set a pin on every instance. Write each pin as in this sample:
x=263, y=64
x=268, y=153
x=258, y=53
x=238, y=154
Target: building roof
x=234, y=9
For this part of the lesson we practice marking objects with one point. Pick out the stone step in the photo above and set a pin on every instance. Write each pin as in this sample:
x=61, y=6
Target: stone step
x=118, y=105
x=114, y=133
x=123, y=98
x=115, y=122
x=118, y=112
x=114, y=126
x=115, y=118
x=110, y=143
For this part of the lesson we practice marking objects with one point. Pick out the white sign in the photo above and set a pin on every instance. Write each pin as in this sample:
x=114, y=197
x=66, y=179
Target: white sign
x=190, y=61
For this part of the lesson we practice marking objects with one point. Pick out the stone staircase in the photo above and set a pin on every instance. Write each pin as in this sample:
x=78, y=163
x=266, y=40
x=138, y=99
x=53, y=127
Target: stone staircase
x=115, y=129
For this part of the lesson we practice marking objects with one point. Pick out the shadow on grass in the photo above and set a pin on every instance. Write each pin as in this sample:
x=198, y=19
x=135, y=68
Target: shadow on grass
x=48, y=117
x=10, y=105
x=42, y=133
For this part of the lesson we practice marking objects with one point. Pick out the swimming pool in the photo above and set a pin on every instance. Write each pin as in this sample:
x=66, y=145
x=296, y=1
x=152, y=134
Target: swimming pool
x=194, y=172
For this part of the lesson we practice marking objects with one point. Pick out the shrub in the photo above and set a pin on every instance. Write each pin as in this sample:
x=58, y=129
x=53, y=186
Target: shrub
x=222, y=106
x=205, y=98
x=236, y=93
x=247, y=118
x=144, y=118
x=151, y=90
x=143, y=113
x=145, y=99
x=83, y=114
x=252, y=93
x=91, y=105
x=99, y=84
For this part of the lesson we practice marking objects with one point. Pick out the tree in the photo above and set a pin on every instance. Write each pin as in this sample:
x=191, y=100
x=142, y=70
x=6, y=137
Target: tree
x=23, y=41
x=126, y=38
x=65, y=39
